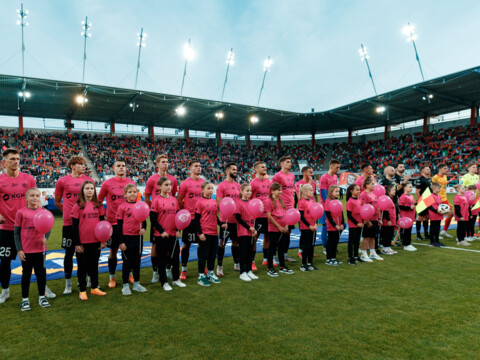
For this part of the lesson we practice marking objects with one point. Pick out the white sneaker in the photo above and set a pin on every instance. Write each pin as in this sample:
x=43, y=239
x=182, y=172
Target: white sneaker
x=137, y=287
x=219, y=270
x=2, y=298
x=469, y=238
x=410, y=248
x=179, y=283
x=446, y=234
x=49, y=293
x=464, y=243
x=169, y=273
x=387, y=251
x=244, y=276
x=440, y=238
x=375, y=256
x=236, y=267
x=252, y=276
x=365, y=258
x=155, y=277
x=126, y=290
x=68, y=290
x=167, y=287
x=4, y=295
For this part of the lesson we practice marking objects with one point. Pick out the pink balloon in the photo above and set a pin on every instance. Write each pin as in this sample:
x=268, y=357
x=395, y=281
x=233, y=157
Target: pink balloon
x=103, y=231
x=336, y=207
x=384, y=202
x=316, y=210
x=140, y=211
x=183, y=219
x=43, y=221
x=379, y=190
x=292, y=216
x=471, y=198
x=255, y=208
x=227, y=207
x=367, y=211
x=405, y=223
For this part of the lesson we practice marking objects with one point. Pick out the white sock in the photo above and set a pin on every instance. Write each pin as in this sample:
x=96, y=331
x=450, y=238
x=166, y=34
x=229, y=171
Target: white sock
x=24, y=299
x=68, y=282
x=184, y=268
x=373, y=252
x=40, y=297
x=210, y=272
x=364, y=252
x=112, y=276
x=265, y=259
x=300, y=251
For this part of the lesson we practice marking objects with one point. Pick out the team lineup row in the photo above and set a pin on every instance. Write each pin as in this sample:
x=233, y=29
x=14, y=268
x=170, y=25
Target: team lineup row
x=76, y=197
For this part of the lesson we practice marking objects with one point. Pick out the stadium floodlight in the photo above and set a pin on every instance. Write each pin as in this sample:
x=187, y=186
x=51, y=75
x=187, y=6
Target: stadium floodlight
x=181, y=110
x=24, y=94
x=81, y=99
x=141, y=43
x=189, y=54
x=85, y=26
x=380, y=109
x=22, y=14
x=219, y=115
x=230, y=61
x=364, y=56
x=254, y=119
x=409, y=30
x=267, y=64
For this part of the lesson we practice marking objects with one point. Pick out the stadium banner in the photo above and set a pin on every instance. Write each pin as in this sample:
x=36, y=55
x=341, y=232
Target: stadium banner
x=347, y=179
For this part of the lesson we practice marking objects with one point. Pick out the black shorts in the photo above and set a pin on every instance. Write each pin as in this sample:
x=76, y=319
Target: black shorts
x=370, y=232
x=113, y=242
x=423, y=213
x=261, y=225
x=189, y=234
x=229, y=233
x=8, y=250
x=67, y=237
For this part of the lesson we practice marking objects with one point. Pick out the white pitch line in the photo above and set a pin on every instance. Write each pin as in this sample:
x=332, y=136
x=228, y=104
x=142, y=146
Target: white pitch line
x=449, y=247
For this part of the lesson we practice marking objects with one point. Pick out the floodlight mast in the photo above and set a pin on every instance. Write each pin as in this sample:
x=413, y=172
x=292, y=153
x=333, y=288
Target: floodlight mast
x=188, y=51
x=140, y=44
x=85, y=34
x=266, y=68
x=364, y=55
x=230, y=57
x=411, y=36
x=22, y=15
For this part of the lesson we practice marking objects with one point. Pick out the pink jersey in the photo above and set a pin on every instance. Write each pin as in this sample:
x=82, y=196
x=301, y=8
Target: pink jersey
x=88, y=217
x=462, y=201
x=336, y=218
x=302, y=182
x=288, y=185
x=192, y=192
x=112, y=190
x=304, y=205
x=231, y=190
x=166, y=208
x=433, y=215
x=359, y=182
x=207, y=208
x=354, y=205
x=12, y=196
x=326, y=181
x=277, y=213
x=31, y=238
x=407, y=200
x=242, y=209
x=392, y=213
x=131, y=226
x=68, y=187
x=370, y=198
x=151, y=189
x=261, y=190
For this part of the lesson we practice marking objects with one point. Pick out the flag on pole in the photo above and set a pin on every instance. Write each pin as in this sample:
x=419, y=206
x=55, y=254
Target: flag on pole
x=425, y=201
x=477, y=205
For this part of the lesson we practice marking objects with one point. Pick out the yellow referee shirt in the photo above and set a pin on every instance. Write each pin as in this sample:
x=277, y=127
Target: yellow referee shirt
x=468, y=180
x=442, y=180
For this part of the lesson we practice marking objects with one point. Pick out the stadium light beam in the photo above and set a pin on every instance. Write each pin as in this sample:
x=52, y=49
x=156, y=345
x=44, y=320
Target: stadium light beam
x=85, y=26
x=254, y=119
x=181, y=110
x=364, y=56
x=219, y=115
x=230, y=61
x=141, y=43
x=267, y=64
x=380, y=109
x=22, y=15
x=409, y=30
x=189, y=54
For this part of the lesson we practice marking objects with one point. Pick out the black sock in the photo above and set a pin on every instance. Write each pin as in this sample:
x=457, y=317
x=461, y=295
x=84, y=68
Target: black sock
x=235, y=254
x=419, y=227
x=155, y=263
x=185, y=256
x=112, y=265
x=265, y=253
x=425, y=225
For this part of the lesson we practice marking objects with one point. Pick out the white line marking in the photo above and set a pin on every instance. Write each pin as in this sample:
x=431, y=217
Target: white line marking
x=449, y=247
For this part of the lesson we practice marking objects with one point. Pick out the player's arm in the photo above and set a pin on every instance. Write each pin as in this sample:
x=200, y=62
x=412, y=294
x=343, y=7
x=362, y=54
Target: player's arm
x=180, y=198
x=58, y=201
x=102, y=193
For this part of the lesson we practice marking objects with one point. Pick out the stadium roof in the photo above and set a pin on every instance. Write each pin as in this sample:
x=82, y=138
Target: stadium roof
x=56, y=99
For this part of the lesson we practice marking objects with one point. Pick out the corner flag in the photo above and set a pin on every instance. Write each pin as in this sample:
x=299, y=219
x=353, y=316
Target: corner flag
x=425, y=201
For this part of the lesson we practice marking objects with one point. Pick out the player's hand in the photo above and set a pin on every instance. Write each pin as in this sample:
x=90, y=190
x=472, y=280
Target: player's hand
x=142, y=231
x=21, y=255
x=225, y=226
x=79, y=249
x=202, y=237
x=284, y=230
x=412, y=207
x=123, y=247
x=407, y=177
x=369, y=224
x=361, y=225
x=254, y=232
x=164, y=235
x=462, y=219
x=103, y=245
x=44, y=241
x=389, y=223
x=2, y=219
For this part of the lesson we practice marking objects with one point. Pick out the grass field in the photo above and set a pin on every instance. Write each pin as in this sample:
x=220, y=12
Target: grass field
x=421, y=305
